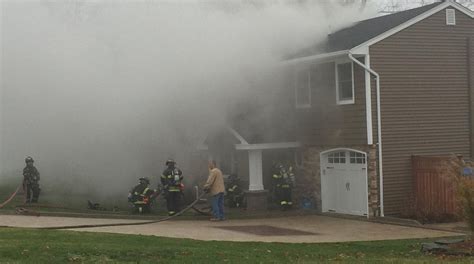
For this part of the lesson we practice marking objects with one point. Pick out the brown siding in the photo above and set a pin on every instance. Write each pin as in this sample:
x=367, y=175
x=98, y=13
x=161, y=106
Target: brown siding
x=424, y=98
x=327, y=123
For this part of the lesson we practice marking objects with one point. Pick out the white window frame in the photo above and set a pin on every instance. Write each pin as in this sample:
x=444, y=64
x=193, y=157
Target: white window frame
x=296, y=80
x=450, y=12
x=347, y=101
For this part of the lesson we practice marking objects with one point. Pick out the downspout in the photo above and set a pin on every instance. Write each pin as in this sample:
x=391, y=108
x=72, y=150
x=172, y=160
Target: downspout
x=379, y=127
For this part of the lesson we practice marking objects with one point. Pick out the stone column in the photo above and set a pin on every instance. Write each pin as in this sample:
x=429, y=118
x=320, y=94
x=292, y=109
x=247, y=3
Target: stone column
x=373, y=182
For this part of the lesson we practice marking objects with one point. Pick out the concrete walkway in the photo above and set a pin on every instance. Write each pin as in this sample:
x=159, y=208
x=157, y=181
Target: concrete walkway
x=308, y=229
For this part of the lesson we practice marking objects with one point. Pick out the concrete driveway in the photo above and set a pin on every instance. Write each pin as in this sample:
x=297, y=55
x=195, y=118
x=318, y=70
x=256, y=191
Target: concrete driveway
x=295, y=229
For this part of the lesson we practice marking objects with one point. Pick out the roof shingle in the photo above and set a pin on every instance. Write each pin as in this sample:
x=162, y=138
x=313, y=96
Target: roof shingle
x=360, y=32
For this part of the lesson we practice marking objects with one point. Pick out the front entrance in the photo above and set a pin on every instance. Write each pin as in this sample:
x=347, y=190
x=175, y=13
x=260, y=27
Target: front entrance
x=344, y=187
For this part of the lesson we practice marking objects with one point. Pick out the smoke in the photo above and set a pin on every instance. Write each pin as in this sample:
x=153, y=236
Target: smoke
x=102, y=92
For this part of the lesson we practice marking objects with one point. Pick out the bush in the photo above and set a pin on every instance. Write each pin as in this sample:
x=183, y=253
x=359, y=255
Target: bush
x=466, y=200
x=464, y=188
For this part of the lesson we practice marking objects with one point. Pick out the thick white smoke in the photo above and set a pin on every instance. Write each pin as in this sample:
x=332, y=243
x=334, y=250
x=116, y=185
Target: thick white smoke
x=102, y=92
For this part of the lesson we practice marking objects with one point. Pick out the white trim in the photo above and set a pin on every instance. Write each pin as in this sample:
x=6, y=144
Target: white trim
x=358, y=49
x=319, y=57
x=238, y=136
x=379, y=130
x=342, y=149
x=297, y=71
x=450, y=14
x=263, y=146
x=346, y=101
x=368, y=101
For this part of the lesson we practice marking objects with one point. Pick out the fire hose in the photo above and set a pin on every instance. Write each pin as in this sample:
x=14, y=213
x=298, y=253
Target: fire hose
x=11, y=196
x=190, y=206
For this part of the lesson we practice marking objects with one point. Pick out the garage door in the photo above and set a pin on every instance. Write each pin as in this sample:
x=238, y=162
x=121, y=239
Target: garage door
x=344, y=182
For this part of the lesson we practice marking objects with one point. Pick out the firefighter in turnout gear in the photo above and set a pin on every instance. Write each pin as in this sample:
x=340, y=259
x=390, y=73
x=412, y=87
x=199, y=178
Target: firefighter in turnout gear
x=234, y=195
x=31, y=178
x=171, y=179
x=283, y=180
x=141, y=196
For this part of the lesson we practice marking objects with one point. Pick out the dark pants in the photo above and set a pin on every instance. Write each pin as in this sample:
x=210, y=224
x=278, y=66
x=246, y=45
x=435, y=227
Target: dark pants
x=142, y=208
x=234, y=199
x=172, y=202
x=218, y=206
x=284, y=196
x=32, y=192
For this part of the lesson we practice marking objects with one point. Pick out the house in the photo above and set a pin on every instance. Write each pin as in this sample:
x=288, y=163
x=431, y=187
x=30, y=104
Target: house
x=359, y=105
x=376, y=93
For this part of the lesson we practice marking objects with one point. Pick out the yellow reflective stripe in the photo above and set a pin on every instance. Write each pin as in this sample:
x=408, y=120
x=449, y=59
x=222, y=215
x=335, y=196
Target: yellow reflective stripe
x=145, y=191
x=276, y=176
x=163, y=176
x=285, y=185
x=283, y=202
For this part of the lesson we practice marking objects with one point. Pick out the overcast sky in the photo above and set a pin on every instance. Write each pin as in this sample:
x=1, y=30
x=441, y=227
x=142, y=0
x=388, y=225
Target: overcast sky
x=393, y=5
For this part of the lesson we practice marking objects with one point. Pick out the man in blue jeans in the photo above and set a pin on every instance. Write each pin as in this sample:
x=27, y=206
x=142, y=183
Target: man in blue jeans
x=215, y=186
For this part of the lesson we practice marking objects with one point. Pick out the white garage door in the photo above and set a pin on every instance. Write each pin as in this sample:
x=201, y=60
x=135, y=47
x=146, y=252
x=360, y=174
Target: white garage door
x=344, y=182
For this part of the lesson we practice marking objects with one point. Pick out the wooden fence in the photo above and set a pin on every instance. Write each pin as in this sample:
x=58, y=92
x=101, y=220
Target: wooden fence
x=434, y=189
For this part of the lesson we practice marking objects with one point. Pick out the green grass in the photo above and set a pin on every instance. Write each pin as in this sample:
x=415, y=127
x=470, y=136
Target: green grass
x=52, y=246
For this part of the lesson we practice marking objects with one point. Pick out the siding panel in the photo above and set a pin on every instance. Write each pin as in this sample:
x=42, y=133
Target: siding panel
x=425, y=98
x=329, y=124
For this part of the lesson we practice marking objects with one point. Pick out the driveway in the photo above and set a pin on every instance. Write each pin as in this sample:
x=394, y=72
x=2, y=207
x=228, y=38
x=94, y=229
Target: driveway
x=294, y=229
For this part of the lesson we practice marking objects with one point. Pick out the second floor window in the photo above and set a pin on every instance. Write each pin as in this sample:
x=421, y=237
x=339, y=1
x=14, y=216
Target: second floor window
x=344, y=83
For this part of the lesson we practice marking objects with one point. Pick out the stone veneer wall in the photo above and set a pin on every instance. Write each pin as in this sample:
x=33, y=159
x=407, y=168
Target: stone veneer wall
x=308, y=178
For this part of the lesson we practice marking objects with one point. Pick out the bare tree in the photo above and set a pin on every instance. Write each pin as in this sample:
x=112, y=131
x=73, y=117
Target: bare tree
x=393, y=6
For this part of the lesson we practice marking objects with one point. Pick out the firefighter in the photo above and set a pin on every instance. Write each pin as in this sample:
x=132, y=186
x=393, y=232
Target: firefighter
x=141, y=195
x=31, y=177
x=171, y=180
x=234, y=194
x=283, y=180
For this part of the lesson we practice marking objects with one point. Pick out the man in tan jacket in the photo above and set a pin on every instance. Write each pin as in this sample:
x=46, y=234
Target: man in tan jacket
x=215, y=186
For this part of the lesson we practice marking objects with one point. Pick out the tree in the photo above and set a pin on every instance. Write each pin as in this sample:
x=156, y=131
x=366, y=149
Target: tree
x=393, y=6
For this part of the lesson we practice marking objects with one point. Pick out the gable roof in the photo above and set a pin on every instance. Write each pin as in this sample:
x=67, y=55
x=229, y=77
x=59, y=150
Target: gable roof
x=362, y=31
x=370, y=31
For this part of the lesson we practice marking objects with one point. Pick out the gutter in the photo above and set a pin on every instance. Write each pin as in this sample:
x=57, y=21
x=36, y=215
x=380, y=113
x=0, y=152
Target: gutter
x=324, y=56
x=379, y=126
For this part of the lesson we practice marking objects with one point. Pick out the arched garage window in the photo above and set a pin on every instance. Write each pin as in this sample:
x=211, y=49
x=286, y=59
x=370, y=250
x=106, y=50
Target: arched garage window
x=351, y=157
x=337, y=157
x=356, y=157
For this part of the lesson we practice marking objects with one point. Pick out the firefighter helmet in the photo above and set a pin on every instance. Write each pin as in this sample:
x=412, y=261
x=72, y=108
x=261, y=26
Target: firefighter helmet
x=144, y=180
x=170, y=162
x=29, y=159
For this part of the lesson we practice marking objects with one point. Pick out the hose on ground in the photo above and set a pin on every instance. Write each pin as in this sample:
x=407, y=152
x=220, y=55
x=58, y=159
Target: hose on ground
x=190, y=206
x=11, y=196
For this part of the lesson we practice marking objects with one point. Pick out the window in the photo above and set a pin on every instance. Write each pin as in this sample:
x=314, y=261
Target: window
x=303, y=88
x=450, y=17
x=357, y=158
x=337, y=157
x=344, y=83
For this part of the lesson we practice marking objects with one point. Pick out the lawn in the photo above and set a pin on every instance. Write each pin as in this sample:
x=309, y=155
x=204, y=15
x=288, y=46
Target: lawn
x=52, y=246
